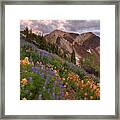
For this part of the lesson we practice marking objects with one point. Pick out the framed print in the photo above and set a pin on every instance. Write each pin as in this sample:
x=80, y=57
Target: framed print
x=60, y=60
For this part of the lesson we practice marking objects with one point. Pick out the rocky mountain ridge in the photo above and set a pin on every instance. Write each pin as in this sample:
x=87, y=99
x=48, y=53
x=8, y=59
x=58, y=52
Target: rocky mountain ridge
x=81, y=49
x=83, y=44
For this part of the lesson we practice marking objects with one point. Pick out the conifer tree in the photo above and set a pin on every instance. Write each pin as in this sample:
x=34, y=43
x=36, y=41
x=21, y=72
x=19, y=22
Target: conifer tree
x=73, y=60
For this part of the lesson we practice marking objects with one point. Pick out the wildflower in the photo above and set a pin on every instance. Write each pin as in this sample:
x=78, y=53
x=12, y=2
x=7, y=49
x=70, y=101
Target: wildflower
x=55, y=71
x=46, y=72
x=33, y=69
x=98, y=84
x=42, y=75
x=47, y=79
x=61, y=93
x=53, y=95
x=32, y=63
x=63, y=79
x=71, y=78
x=24, y=81
x=37, y=71
x=57, y=97
x=43, y=88
x=22, y=62
x=30, y=79
x=98, y=89
x=66, y=94
x=91, y=86
x=85, y=94
x=97, y=93
x=75, y=78
x=54, y=83
x=25, y=61
x=88, y=82
x=41, y=65
x=91, y=97
x=91, y=81
x=52, y=73
x=82, y=81
x=37, y=63
x=24, y=98
x=43, y=70
x=61, y=86
x=65, y=86
x=58, y=80
x=48, y=90
x=94, y=86
x=81, y=88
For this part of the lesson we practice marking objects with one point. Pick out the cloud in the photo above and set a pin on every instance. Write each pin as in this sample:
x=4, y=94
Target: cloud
x=82, y=25
x=47, y=26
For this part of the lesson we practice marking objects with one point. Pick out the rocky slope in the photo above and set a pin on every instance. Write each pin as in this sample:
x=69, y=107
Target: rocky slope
x=83, y=44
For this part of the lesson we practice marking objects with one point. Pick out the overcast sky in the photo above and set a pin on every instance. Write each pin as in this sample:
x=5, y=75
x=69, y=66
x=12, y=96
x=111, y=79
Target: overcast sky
x=47, y=26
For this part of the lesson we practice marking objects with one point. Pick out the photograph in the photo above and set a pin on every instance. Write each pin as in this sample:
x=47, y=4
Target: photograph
x=58, y=55
x=59, y=59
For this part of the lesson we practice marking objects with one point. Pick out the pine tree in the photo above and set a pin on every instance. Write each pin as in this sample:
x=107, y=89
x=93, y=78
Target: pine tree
x=73, y=60
x=26, y=31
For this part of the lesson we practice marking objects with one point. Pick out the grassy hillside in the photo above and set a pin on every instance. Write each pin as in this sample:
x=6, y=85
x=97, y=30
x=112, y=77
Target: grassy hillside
x=46, y=76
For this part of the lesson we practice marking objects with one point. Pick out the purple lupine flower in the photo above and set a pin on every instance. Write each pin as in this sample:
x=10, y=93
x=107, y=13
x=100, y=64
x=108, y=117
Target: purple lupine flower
x=46, y=72
x=37, y=71
x=30, y=79
x=57, y=97
x=42, y=75
x=53, y=95
x=49, y=69
x=40, y=65
x=33, y=69
x=59, y=80
x=44, y=53
x=48, y=90
x=54, y=83
x=43, y=70
x=52, y=73
x=61, y=86
x=61, y=93
x=36, y=64
x=47, y=79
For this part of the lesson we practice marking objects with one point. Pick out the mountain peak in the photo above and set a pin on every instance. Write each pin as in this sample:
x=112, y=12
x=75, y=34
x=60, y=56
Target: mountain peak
x=60, y=32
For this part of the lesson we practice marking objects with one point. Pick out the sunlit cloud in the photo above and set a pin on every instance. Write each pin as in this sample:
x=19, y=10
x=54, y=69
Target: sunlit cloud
x=47, y=26
x=61, y=24
x=26, y=22
x=46, y=22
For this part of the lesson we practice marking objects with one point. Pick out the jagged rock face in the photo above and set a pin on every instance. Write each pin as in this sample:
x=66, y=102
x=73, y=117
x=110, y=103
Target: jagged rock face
x=56, y=34
x=52, y=37
x=83, y=44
